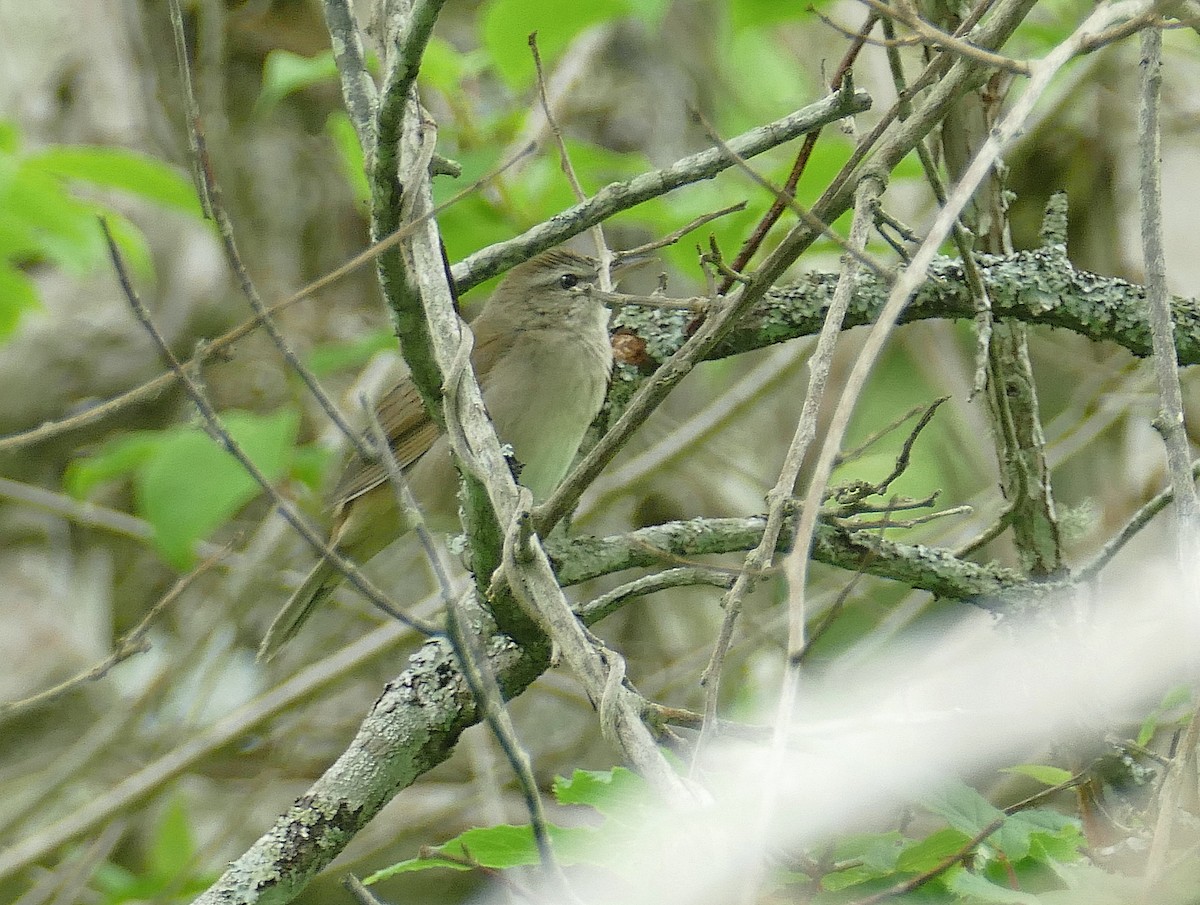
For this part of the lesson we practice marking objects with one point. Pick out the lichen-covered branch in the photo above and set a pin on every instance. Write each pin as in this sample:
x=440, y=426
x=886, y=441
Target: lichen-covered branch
x=926, y=568
x=418, y=719
x=1039, y=287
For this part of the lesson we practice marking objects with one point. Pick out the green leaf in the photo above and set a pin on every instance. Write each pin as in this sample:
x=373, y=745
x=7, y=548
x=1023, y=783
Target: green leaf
x=443, y=65
x=10, y=137
x=330, y=357
x=190, y=486
x=973, y=886
x=118, y=168
x=62, y=228
x=115, y=459
x=131, y=242
x=285, y=72
x=931, y=851
x=1175, y=704
x=345, y=140
x=507, y=24
x=877, y=851
x=1049, y=776
x=17, y=296
x=615, y=793
x=963, y=808
x=875, y=855
x=743, y=13
x=173, y=847
x=498, y=847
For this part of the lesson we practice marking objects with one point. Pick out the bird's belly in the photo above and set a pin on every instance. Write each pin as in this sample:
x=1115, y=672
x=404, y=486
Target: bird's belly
x=543, y=408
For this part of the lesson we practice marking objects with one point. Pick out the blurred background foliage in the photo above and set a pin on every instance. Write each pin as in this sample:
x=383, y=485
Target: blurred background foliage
x=94, y=126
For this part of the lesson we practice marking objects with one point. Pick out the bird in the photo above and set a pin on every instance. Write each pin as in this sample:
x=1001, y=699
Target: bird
x=543, y=358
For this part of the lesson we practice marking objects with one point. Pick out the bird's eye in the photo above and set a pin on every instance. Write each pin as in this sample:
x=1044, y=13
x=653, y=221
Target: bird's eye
x=568, y=281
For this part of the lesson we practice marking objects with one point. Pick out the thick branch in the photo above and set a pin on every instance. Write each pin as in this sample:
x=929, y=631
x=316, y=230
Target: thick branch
x=1035, y=287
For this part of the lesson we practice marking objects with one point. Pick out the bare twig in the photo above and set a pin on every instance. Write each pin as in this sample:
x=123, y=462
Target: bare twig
x=780, y=496
x=1130, y=529
x=473, y=662
x=911, y=278
x=681, y=577
x=213, y=422
x=754, y=241
x=1169, y=422
x=214, y=202
x=135, y=642
x=934, y=36
x=675, y=235
x=603, y=254
x=782, y=196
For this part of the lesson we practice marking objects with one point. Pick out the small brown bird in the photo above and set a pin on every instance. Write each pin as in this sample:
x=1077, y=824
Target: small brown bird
x=543, y=358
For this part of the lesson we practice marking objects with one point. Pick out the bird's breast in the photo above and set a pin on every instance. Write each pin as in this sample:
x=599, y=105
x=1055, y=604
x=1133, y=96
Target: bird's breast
x=542, y=394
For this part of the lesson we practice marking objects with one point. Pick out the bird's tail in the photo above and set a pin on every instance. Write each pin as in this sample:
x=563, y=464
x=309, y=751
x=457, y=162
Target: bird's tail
x=313, y=591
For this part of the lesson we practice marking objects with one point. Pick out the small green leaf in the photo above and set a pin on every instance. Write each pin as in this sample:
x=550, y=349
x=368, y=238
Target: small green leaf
x=330, y=357
x=285, y=72
x=190, y=486
x=498, y=847
x=131, y=242
x=931, y=851
x=17, y=296
x=173, y=847
x=1174, y=705
x=1047, y=775
x=507, y=24
x=115, y=459
x=341, y=132
x=972, y=886
x=118, y=168
x=443, y=65
x=613, y=793
x=963, y=808
x=877, y=851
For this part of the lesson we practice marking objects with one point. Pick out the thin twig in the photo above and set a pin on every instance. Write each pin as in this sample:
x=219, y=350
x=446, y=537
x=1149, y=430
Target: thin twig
x=754, y=241
x=963, y=240
x=1130, y=530
x=684, y=576
x=938, y=38
x=214, y=201
x=603, y=253
x=780, y=497
x=675, y=235
x=912, y=277
x=407, y=502
x=213, y=422
x=134, y=642
x=473, y=662
x=1169, y=421
x=620, y=196
x=782, y=196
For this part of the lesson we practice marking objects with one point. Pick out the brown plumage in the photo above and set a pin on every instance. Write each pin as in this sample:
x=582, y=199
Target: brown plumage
x=542, y=356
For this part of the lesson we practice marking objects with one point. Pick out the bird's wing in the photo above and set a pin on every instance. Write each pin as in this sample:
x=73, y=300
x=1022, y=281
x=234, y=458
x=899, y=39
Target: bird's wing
x=409, y=431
